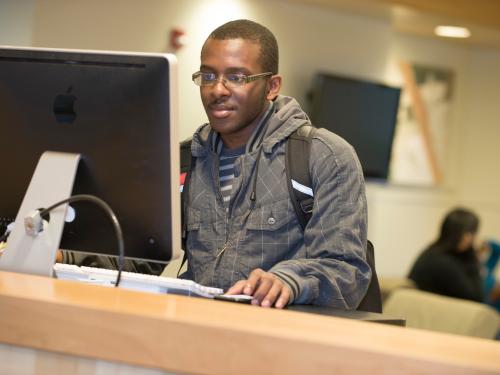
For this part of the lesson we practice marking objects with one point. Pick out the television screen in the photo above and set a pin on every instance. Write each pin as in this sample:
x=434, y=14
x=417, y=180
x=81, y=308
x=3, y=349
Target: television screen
x=361, y=112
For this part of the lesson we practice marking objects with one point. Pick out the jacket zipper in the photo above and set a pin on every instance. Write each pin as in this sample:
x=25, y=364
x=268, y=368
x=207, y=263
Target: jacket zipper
x=227, y=242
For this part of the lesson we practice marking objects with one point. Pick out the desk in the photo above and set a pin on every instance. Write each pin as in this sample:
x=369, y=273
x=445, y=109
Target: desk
x=84, y=327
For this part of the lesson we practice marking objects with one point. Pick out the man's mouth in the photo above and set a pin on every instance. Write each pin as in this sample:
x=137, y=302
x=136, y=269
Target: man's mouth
x=220, y=111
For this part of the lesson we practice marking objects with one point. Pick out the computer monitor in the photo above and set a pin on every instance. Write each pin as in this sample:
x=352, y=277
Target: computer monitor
x=117, y=110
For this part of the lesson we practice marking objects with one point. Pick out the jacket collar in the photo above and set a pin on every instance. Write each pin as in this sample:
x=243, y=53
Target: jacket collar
x=287, y=118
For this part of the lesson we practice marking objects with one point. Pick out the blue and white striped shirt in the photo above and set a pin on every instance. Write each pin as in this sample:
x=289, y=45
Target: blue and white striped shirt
x=226, y=171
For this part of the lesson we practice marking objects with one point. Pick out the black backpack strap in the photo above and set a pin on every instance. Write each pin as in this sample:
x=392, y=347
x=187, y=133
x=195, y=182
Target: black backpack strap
x=185, y=156
x=297, y=150
x=187, y=165
x=187, y=162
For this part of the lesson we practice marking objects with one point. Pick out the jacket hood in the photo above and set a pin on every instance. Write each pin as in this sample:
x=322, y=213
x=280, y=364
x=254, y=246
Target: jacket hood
x=287, y=116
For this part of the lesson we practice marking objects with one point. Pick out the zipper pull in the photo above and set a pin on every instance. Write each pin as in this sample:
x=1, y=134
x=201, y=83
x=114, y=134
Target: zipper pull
x=223, y=249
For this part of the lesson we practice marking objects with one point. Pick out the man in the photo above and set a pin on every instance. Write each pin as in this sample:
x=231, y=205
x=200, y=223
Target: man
x=241, y=230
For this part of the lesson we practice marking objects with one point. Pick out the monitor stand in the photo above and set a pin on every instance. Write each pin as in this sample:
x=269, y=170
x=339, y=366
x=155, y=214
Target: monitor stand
x=52, y=182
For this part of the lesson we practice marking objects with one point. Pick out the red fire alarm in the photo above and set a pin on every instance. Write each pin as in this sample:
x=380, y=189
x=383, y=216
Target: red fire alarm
x=177, y=38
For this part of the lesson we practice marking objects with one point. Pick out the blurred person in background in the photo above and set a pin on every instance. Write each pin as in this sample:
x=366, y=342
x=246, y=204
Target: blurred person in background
x=450, y=265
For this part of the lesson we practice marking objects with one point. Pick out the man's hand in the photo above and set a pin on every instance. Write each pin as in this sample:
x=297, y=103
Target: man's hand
x=59, y=256
x=266, y=288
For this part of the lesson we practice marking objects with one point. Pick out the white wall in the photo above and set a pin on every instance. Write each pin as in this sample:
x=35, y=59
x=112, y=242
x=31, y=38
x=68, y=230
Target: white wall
x=479, y=155
x=16, y=22
x=402, y=220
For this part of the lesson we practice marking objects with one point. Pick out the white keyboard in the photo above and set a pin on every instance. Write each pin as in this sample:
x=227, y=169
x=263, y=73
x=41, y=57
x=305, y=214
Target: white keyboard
x=136, y=281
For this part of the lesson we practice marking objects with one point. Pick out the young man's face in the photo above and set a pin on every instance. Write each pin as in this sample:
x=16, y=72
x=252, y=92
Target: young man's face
x=234, y=111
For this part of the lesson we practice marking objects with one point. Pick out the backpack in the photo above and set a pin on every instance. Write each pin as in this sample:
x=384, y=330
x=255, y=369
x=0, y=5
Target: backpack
x=297, y=152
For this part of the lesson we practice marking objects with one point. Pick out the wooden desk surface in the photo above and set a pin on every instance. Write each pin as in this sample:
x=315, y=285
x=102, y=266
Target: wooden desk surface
x=192, y=335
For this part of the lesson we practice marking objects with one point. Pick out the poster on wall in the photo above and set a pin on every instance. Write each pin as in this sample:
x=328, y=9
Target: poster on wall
x=422, y=131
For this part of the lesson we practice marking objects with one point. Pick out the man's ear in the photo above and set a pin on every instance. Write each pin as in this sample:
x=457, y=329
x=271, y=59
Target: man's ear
x=273, y=87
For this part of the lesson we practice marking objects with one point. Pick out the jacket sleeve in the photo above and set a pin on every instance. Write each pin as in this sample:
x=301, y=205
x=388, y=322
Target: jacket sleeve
x=334, y=272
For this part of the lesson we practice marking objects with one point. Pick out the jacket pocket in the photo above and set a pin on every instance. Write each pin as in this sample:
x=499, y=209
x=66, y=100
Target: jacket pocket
x=272, y=235
x=272, y=217
x=199, y=244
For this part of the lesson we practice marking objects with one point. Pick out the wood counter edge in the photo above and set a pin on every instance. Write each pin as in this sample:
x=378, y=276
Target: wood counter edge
x=196, y=335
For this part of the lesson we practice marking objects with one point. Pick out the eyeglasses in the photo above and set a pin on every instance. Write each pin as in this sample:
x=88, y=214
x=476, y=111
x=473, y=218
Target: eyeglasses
x=228, y=79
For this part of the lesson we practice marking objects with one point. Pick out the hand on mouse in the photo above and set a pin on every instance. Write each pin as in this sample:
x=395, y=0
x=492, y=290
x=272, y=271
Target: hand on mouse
x=266, y=288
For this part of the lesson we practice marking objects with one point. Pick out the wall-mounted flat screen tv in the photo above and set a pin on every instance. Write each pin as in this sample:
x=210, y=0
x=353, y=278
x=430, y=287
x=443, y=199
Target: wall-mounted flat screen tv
x=362, y=112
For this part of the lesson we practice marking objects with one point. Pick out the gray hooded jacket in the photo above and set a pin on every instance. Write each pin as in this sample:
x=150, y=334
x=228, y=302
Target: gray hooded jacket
x=325, y=264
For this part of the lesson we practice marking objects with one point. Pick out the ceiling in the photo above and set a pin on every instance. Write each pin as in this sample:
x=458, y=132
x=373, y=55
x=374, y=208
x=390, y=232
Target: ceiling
x=419, y=17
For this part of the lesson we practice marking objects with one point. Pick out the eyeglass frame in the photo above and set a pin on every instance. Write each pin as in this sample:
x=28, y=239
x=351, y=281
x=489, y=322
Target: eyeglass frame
x=248, y=79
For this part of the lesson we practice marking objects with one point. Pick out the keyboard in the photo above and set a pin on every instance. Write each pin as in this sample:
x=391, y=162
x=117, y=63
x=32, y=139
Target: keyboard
x=135, y=281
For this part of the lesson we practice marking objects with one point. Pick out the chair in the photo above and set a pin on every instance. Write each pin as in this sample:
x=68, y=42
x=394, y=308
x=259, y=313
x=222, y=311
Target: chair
x=444, y=314
x=389, y=284
x=372, y=301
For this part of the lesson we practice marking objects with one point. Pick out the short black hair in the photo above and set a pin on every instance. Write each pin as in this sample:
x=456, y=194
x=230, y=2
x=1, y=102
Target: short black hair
x=253, y=31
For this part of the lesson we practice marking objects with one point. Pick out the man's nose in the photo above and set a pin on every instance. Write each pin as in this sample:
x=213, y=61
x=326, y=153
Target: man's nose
x=219, y=86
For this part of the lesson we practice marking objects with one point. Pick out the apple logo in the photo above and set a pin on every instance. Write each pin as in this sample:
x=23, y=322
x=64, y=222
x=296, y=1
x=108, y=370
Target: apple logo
x=64, y=107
